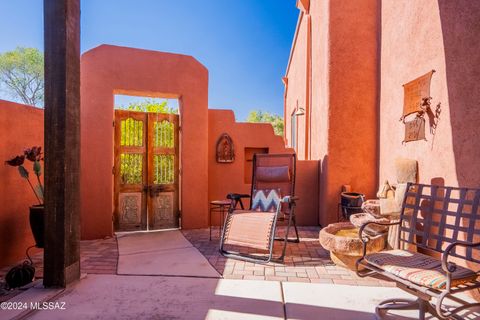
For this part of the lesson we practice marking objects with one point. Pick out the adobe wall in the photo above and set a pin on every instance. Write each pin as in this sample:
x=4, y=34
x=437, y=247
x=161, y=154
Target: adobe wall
x=224, y=178
x=107, y=70
x=341, y=124
x=320, y=81
x=439, y=35
x=295, y=90
x=21, y=127
x=353, y=100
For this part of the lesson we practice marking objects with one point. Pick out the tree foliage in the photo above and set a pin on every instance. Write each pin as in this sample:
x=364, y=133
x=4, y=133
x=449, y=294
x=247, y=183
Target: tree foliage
x=21, y=75
x=266, y=117
x=149, y=105
x=132, y=134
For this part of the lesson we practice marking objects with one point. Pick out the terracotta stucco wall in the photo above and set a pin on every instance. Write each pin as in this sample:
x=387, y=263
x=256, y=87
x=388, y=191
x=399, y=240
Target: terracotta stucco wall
x=107, y=70
x=344, y=96
x=440, y=35
x=319, y=92
x=21, y=127
x=353, y=100
x=320, y=97
x=226, y=178
x=296, y=91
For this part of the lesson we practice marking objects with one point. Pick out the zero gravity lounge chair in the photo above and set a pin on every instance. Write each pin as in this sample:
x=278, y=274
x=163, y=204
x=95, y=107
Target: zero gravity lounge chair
x=271, y=200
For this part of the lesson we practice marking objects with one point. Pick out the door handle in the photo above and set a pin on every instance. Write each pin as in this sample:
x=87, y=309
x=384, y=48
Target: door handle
x=154, y=190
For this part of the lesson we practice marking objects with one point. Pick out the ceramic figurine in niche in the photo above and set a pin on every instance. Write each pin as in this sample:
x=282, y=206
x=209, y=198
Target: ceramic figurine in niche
x=225, y=151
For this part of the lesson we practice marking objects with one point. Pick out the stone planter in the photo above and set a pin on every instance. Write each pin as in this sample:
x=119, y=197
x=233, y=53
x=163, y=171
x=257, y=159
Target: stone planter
x=341, y=239
x=359, y=219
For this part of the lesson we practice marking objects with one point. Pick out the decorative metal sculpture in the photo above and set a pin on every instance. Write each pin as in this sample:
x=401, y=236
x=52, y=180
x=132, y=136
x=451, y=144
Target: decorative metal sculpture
x=225, y=149
x=416, y=102
x=417, y=95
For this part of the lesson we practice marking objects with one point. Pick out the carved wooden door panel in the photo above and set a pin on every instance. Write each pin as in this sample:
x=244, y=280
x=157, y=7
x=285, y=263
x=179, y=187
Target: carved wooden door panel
x=130, y=171
x=146, y=171
x=163, y=171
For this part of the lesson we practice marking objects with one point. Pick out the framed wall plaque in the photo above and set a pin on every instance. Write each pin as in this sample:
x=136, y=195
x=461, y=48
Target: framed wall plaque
x=415, y=130
x=416, y=95
x=225, y=152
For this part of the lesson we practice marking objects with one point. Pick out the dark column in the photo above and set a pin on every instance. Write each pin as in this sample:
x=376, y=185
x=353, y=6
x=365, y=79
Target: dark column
x=62, y=142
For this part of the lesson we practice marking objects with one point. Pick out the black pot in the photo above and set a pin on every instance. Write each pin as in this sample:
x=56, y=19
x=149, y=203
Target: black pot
x=351, y=203
x=352, y=199
x=37, y=225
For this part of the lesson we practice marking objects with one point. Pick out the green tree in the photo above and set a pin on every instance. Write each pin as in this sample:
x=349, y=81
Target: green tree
x=262, y=116
x=21, y=75
x=132, y=135
x=149, y=105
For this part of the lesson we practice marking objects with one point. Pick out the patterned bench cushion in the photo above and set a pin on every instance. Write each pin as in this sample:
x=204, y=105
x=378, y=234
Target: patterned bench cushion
x=418, y=268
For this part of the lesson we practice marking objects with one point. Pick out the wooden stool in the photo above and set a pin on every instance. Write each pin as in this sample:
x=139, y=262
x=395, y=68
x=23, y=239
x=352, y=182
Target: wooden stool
x=218, y=206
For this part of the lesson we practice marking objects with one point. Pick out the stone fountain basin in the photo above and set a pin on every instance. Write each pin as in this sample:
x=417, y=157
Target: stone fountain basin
x=345, y=247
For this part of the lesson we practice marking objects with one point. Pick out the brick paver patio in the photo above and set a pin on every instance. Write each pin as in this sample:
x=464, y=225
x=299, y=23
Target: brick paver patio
x=97, y=256
x=306, y=261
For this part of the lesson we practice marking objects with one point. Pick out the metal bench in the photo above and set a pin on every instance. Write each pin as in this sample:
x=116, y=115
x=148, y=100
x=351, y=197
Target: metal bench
x=439, y=227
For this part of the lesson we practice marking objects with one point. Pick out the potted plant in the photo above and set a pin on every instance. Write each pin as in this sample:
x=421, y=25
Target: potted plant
x=34, y=155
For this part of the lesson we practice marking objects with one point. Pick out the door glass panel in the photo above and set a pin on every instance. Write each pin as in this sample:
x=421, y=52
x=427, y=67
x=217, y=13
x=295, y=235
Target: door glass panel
x=163, y=168
x=164, y=134
x=131, y=168
x=131, y=133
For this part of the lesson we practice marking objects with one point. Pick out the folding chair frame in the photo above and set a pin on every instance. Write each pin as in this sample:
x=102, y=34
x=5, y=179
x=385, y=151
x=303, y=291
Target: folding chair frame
x=291, y=200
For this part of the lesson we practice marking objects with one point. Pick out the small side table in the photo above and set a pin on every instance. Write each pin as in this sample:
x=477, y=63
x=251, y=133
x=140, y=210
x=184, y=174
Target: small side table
x=221, y=207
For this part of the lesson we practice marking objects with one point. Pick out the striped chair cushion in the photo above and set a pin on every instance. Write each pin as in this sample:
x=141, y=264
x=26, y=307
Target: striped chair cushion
x=249, y=228
x=266, y=200
x=418, y=268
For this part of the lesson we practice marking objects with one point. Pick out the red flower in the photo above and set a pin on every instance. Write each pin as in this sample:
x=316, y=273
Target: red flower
x=33, y=154
x=17, y=161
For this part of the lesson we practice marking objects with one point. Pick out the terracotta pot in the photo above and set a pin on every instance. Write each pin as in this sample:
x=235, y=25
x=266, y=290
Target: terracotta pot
x=37, y=225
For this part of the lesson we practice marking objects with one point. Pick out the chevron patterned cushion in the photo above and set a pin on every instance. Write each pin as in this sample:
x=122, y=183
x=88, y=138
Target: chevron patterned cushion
x=266, y=200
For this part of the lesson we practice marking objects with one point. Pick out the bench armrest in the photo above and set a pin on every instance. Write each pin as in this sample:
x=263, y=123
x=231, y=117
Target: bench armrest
x=366, y=238
x=450, y=267
x=363, y=226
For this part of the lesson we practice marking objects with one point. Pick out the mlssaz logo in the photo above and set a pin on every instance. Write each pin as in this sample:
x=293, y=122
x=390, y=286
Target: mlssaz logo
x=47, y=305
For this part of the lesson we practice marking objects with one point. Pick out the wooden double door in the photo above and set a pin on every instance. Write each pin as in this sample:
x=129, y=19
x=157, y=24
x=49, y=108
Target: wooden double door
x=146, y=171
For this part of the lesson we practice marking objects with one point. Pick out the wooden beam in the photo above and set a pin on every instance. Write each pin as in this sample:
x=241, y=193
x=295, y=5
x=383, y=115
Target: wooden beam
x=62, y=142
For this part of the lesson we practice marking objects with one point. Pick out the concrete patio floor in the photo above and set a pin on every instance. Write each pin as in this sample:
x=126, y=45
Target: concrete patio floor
x=103, y=294
x=158, y=297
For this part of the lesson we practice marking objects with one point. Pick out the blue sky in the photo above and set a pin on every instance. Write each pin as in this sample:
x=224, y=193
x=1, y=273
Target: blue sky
x=244, y=43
